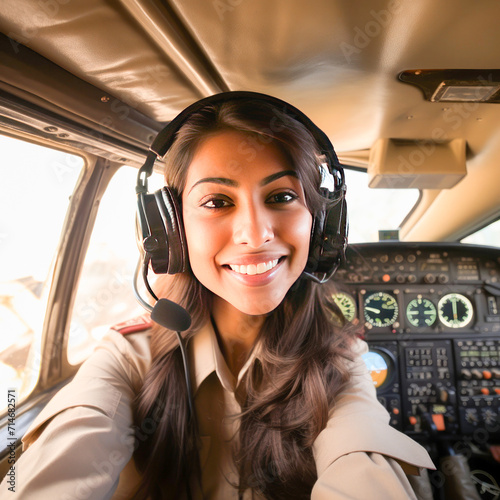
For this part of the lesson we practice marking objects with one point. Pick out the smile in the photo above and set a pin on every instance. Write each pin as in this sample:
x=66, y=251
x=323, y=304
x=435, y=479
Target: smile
x=253, y=269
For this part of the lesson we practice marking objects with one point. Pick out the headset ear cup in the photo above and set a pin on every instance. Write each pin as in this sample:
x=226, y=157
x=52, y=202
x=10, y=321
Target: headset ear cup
x=170, y=212
x=329, y=239
x=334, y=239
x=152, y=236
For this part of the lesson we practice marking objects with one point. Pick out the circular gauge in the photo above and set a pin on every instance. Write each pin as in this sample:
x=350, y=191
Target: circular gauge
x=421, y=312
x=381, y=309
x=346, y=304
x=455, y=310
x=380, y=366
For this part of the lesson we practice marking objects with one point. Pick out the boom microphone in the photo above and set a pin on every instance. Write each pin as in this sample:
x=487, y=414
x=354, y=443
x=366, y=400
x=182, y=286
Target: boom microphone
x=171, y=315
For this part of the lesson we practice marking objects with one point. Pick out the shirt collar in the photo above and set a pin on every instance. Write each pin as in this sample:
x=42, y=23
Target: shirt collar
x=206, y=357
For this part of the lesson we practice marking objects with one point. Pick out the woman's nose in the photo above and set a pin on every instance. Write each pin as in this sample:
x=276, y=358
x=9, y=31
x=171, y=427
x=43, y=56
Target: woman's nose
x=253, y=226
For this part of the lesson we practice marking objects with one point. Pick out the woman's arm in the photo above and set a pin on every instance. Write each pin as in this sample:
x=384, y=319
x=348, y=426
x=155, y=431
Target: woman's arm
x=360, y=475
x=358, y=454
x=79, y=455
x=84, y=437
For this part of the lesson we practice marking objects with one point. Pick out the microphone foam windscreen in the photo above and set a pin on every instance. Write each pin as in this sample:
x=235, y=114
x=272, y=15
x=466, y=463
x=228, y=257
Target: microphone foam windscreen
x=171, y=315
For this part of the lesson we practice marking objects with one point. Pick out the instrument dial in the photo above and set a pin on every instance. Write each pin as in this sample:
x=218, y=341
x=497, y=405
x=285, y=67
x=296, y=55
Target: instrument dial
x=455, y=310
x=346, y=304
x=380, y=309
x=421, y=312
x=380, y=366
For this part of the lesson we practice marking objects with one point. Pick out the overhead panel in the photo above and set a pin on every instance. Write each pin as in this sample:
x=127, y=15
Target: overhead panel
x=116, y=47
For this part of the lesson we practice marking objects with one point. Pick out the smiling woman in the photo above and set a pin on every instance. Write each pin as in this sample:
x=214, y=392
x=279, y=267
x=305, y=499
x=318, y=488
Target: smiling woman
x=282, y=405
x=252, y=215
x=246, y=208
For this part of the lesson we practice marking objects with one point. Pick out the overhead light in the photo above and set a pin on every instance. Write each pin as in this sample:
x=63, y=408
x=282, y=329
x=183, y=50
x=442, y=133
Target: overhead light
x=456, y=85
x=464, y=93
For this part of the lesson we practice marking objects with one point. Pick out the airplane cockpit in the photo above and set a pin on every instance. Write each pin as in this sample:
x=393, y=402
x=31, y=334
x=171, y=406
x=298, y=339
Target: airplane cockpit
x=408, y=93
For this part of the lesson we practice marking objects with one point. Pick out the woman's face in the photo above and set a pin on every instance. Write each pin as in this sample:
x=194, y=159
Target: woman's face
x=247, y=226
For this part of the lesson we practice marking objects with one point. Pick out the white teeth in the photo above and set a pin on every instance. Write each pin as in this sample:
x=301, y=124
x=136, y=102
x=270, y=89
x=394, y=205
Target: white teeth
x=252, y=269
x=261, y=268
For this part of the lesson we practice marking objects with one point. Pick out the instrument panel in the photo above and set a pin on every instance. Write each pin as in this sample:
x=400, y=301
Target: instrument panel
x=430, y=313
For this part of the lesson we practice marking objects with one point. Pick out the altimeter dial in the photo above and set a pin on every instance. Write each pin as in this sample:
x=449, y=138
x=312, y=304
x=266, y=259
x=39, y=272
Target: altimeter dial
x=455, y=310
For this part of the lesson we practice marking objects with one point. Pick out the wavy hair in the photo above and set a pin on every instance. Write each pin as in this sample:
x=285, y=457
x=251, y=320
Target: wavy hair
x=291, y=387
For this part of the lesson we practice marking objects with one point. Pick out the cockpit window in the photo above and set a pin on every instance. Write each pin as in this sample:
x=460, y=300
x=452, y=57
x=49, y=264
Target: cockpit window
x=489, y=235
x=32, y=176
x=105, y=294
x=374, y=210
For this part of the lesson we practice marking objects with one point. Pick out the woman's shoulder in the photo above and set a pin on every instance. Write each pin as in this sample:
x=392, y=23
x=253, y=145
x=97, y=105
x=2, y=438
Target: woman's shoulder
x=109, y=379
x=129, y=344
x=122, y=356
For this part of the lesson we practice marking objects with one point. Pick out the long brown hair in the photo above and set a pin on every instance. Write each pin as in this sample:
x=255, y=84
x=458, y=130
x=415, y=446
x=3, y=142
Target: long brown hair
x=303, y=347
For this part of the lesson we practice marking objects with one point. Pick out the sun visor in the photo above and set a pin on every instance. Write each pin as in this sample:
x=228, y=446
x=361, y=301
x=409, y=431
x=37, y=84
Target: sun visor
x=405, y=164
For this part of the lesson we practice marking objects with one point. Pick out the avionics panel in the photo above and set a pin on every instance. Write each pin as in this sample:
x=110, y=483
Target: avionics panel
x=430, y=313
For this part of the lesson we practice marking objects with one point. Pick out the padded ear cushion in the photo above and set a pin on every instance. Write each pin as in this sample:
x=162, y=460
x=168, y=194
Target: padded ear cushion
x=329, y=239
x=335, y=236
x=152, y=232
x=170, y=213
x=315, y=243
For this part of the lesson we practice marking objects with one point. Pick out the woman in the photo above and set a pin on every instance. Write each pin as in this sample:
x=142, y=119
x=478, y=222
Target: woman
x=283, y=404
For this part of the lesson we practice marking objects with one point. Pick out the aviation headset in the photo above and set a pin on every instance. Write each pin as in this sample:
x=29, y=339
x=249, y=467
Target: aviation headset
x=160, y=217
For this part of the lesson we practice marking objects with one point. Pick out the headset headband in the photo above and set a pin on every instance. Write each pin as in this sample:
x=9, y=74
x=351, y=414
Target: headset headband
x=166, y=136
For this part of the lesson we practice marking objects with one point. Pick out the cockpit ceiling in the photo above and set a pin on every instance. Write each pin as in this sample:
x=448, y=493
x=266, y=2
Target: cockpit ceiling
x=336, y=60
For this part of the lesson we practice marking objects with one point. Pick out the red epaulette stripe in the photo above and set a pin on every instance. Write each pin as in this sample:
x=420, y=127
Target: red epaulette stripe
x=133, y=325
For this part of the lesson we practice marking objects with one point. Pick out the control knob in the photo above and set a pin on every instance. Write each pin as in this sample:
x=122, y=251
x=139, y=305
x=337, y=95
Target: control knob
x=471, y=416
x=447, y=396
x=490, y=417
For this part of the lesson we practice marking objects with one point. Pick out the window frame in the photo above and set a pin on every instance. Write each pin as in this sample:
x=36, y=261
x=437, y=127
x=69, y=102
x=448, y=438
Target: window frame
x=70, y=256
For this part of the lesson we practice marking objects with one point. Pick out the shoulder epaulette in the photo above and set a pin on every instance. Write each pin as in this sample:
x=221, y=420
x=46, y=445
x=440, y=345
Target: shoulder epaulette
x=133, y=325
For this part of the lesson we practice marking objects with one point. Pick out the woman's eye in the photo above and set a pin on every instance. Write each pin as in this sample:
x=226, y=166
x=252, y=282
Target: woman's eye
x=284, y=197
x=215, y=203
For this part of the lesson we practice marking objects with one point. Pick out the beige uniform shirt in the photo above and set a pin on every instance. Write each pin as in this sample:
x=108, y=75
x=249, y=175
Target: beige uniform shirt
x=81, y=444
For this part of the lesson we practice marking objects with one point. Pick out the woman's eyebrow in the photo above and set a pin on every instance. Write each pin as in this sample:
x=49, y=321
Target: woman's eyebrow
x=230, y=182
x=216, y=180
x=277, y=175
